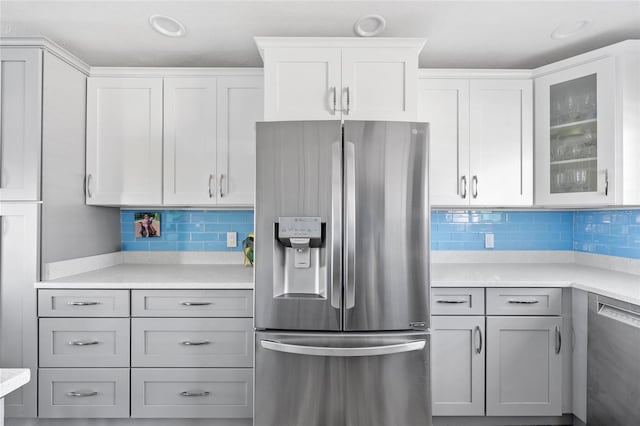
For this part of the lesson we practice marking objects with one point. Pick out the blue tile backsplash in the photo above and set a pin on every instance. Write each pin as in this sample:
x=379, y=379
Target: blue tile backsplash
x=513, y=230
x=611, y=232
x=189, y=230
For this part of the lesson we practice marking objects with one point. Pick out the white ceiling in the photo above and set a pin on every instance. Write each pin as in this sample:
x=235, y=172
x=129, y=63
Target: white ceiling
x=461, y=34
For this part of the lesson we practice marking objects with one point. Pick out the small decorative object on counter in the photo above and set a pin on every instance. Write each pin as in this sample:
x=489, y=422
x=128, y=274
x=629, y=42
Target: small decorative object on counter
x=147, y=224
x=247, y=247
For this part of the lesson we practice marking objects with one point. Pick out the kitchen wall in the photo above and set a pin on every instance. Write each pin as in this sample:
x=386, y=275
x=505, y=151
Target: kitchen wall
x=610, y=232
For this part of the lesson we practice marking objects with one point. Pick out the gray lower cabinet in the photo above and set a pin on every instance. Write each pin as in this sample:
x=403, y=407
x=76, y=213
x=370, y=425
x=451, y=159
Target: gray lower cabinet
x=84, y=342
x=83, y=303
x=192, y=392
x=524, y=366
x=192, y=303
x=457, y=361
x=83, y=392
x=192, y=342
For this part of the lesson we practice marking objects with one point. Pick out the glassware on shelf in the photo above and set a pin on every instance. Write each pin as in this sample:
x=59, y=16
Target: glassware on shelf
x=574, y=177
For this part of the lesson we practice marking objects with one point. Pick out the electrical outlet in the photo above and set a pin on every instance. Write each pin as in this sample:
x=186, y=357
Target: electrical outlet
x=489, y=240
x=232, y=239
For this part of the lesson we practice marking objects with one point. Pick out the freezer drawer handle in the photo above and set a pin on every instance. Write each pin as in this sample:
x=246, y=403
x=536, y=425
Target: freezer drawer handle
x=196, y=303
x=195, y=393
x=81, y=394
x=84, y=342
x=76, y=303
x=195, y=343
x=524, y=302
x=415, y=345
x=447, y=301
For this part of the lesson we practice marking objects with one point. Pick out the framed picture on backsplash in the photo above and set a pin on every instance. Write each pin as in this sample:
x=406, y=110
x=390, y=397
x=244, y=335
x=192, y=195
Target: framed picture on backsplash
x=146, y=224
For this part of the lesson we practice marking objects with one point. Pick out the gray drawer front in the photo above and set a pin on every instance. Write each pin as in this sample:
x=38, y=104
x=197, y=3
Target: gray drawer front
x=524, y=301
x=84, y=342
x=210, y=392
x=83, y=303
x=191, y=342
x=81, y=392
x=192, y=303
x=457, y=301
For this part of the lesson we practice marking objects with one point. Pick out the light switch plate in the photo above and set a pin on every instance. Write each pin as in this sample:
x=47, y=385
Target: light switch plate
x=232, y=239
x=489, y=240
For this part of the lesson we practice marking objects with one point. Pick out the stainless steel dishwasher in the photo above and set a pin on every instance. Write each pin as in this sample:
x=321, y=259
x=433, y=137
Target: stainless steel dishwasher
x=613, y=363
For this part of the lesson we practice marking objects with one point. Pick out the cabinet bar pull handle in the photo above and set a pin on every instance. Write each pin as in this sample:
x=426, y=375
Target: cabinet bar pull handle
x=478, y=332
x=89, y=179
x=78, y=303
x=474, y=186
x=195, y=393
x=81, y=394
x=196, y=303
x=83, y=342
x=348, y=100
x=333, y=89
x=220, y=189
x=463, y=185
x=524, y=302
x=606, y=182
x=450, y=301
x=195, y=343
x=210, y=189
x=558, y=340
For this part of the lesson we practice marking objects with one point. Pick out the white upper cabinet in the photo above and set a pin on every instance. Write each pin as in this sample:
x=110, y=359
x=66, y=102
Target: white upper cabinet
x=124, y=141
x=501, y=142
x=587, y=124
x=190, y=120
x=481, y=141
x=240, y=106
x=20, y=123
x=175, y=141
x=340, y=78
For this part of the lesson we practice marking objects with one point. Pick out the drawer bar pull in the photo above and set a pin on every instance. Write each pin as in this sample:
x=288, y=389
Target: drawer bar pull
x=524, y=302
x=449, y=302
x=196, y=303
x=81, y=394
x=195, y=393
x=196, y=343
x=83, y=342
x=76, y=303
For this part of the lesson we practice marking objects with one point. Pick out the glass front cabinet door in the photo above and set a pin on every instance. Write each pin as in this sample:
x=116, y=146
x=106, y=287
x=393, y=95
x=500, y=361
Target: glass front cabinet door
x=575, y=140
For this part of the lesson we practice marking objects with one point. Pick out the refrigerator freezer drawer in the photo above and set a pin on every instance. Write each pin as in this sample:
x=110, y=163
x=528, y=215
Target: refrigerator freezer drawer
x=342, y=379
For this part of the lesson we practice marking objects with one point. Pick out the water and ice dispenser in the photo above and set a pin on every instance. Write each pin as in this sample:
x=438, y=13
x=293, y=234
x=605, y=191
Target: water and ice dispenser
x=299, y=257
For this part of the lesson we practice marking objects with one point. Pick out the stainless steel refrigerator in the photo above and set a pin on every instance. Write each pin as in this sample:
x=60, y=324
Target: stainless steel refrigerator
x=342, y=274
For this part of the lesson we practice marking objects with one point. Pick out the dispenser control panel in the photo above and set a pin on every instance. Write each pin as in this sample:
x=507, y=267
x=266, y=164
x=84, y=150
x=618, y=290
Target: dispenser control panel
x=299, y=227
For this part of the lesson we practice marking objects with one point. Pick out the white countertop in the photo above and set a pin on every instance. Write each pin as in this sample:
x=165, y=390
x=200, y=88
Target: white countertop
x=153, y=276
x=618, y=285
x=12, y=379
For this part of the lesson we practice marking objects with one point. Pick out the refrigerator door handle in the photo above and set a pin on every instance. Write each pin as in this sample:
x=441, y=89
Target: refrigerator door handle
x=336, y=225
x=350, y=228
x=414, y=345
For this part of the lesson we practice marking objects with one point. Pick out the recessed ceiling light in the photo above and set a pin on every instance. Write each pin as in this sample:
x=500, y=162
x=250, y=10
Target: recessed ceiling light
x=369, y=25
x=167, y=26
x=569, y=29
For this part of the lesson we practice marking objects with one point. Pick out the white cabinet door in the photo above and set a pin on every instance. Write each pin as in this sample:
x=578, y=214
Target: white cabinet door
x=379, y=84
x=457, y=365
x=501, y=133
x=575, y=135
x=302, y=84
x=19, y=267
x=124, y=141
x=524, y=366
x=20, y=123
x=190, y=141
x=240, y=106
x=444, y=104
